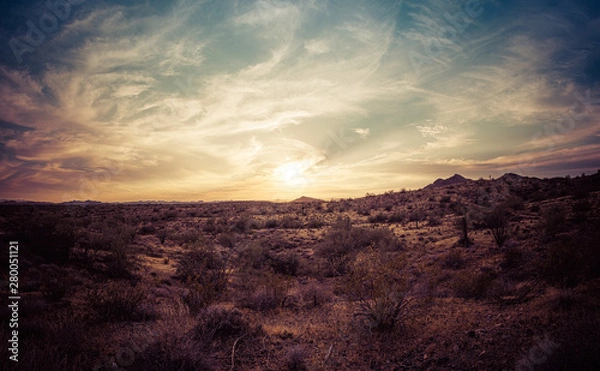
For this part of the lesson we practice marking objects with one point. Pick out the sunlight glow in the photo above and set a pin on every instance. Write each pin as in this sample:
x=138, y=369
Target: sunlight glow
x=292, y=173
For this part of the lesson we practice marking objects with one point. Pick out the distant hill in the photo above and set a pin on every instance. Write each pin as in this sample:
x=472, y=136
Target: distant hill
x=305, y=199
x=454, y=179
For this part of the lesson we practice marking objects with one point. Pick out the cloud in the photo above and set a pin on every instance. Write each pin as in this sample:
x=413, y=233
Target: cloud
x=208, y=99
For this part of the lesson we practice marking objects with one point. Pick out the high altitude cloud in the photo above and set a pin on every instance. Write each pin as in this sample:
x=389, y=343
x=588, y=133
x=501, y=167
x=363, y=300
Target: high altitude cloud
x=272, y=99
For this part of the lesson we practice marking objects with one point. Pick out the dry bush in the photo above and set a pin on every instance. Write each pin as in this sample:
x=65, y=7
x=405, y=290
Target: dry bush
x=271, y=223
x=473, y=285
x=228, y=239
x=180, y=353
x=210, y=227
x=553, y=220
x=262, y=291
x=295, y=359
x=243, y=224
x=217, y=323
x=56, y=342
x=147, y=229
x=454, y=259
x=56, y=285
x=110, y=236
x=397, y=217
x=497, y=222
x=289, y=222
x=377, y=284
x=286, y=264
x=315, y=223
x=434, y=220
x=116, y=301
x=512, y=257
x=187, y=237
x=378, y=218
x=571, y=260
x=314, y=295
x=416, y=216
x=204, y=272
x=343, y=241
x=48, y=235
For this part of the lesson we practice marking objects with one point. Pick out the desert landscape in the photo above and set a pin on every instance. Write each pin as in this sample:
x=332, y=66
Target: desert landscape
x=488, y=274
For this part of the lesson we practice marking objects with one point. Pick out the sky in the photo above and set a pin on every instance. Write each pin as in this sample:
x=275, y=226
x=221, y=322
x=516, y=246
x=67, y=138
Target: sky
x=133, y=100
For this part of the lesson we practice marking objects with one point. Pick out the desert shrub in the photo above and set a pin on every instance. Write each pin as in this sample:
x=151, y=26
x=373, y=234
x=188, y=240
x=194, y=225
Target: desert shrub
x=209, y=226
x=57, y=342
x=454, y=260
x=512, y=257
x=147, y=229
x=315, y=223
x=162, y=235
x=434, y=220
x=55, y=286
x=581, y=208
x=228, y=240
x=515, y=203
x=343, y=241
x=473, y=285
x=255, y=256
x=286, y=264
x=377, y=284
x=497, y=223
x=262, y=291
x=445, y=199
x=314, y=295
x=169, y=215
x=204, y=272
x=48, y=235
x=187, y=237
x=295, y=359
x=216, y=323
x=115, y=301
x=180, y=353
x=242, y=224
x=397, y=217
x=290, y=222
x=271, y=223
x=111, y=236
x=416, y=216
x=565, y=263
x=378, y=218
x=553, y=220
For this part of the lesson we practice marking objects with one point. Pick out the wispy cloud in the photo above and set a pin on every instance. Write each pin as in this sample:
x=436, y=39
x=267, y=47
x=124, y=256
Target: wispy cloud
x=224, y=100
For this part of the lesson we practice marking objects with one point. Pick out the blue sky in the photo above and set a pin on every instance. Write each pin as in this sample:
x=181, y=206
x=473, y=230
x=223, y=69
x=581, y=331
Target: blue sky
x=217, y=100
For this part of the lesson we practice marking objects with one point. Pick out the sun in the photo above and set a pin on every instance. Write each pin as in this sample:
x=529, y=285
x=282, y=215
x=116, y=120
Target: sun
x=292, y=173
